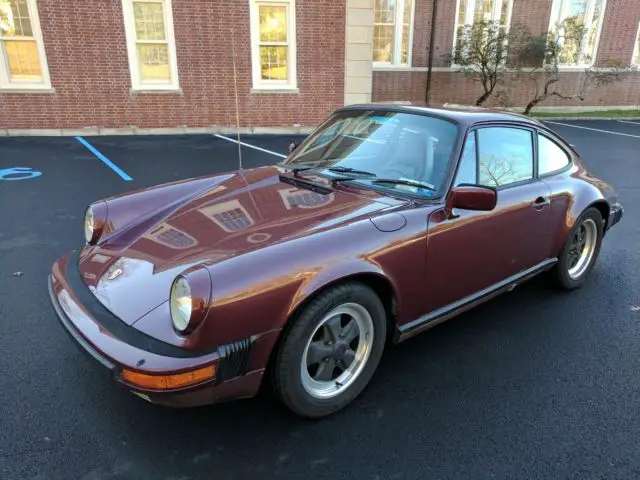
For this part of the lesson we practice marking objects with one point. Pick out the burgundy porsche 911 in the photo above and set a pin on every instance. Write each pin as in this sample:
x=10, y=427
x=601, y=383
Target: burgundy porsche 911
x=387, y=220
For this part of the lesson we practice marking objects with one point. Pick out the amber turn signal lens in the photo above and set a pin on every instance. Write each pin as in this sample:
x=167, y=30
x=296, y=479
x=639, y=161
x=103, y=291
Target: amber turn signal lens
x=166, y=382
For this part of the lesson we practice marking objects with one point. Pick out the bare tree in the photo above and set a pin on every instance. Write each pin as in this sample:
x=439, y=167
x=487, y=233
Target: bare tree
x=562, y=45
x=5, y=5
x=484, y=51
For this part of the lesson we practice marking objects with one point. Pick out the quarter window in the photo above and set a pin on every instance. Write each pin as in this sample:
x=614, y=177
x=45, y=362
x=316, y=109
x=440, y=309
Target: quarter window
x=273, y=38
x=505, y=156
x=23, y=62
x=151, y=44
x=392, y=32
x=550, y=156
x=468, y=169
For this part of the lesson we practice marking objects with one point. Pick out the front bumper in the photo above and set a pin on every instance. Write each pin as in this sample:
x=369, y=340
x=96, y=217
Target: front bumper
x=105, y=342
x=615, y=215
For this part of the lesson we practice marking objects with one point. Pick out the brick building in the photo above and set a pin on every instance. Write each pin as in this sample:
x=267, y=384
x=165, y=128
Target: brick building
x=170, y=63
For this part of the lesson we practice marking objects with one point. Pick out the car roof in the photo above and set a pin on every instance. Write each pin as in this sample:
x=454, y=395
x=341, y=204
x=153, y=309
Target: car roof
x=462, y=114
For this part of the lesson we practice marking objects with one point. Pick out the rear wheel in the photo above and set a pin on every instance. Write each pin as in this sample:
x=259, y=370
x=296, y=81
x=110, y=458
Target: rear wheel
x=581, y=251
x=331, y=351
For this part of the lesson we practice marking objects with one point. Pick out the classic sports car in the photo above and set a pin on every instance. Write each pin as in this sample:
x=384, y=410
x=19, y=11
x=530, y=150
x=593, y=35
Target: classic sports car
x=384, y=222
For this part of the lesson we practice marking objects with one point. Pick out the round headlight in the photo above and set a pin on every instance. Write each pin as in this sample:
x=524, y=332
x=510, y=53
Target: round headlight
x=181, y=305
x=89, y=225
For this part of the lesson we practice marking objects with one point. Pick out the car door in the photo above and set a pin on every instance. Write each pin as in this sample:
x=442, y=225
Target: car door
x=477, y=250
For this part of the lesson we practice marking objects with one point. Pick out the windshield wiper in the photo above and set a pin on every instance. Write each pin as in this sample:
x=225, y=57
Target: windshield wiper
x=350, y=170
x=297, y=168
x=410, y=183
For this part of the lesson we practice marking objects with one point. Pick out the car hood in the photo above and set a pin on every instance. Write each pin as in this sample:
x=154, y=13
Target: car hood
x=205, y=221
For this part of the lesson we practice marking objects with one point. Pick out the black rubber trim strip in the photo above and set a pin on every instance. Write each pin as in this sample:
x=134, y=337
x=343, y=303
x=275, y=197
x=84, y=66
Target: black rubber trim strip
x=114, y=325
x=452, y=307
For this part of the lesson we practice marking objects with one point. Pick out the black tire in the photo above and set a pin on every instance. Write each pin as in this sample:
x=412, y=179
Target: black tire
x=287, y=369
x=561, y=270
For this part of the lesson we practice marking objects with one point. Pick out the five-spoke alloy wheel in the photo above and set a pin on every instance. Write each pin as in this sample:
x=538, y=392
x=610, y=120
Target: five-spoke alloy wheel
x=337, y=351
x=330, y=350
x=580, y=251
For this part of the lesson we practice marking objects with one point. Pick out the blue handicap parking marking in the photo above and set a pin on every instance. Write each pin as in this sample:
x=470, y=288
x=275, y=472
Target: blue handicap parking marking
x=19, y=173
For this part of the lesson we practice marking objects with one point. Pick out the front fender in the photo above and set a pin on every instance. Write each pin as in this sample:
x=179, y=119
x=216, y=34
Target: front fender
x=352, y=269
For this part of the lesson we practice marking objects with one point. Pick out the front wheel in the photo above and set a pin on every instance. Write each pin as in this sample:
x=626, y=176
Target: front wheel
x=579, y=254
x=331, y=351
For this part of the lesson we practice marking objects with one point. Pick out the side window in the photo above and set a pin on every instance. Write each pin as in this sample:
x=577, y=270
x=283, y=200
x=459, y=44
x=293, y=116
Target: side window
x=467, y=171
x=505, y=155
x=550, y=156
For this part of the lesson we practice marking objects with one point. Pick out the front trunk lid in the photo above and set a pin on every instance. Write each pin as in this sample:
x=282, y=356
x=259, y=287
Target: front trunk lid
x=132, y=272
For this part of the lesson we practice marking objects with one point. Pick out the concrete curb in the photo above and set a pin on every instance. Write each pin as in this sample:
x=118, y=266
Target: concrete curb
x=132, y=130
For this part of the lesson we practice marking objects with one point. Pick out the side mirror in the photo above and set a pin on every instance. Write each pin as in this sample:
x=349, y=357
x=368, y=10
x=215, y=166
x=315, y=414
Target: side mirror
x=471, y=197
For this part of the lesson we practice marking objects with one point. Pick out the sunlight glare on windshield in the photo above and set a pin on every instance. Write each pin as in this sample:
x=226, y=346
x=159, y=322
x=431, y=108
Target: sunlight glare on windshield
x=392, y=145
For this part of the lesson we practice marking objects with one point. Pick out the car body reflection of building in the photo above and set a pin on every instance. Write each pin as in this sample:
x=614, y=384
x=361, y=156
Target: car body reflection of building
x=230, y=216
x=171, y=237
x=237, y=219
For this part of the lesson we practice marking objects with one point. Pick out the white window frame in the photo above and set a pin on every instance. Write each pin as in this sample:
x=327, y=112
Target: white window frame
x=6, y=83
x=397, y=37
x=211, y=211
x=134, y=68
x=591, y=4
x=635, y=57
x=287, y=195
x=254, y=17
x=469, y=20
x=155, y=236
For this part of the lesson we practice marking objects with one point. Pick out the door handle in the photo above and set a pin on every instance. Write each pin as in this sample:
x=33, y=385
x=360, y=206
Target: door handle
x=541, y=202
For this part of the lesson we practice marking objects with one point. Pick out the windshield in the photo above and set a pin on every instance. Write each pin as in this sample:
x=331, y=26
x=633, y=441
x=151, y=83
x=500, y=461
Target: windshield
x=398, y=151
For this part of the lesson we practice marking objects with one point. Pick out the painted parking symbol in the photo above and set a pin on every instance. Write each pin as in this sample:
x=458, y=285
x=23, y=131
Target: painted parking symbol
x=19, y=173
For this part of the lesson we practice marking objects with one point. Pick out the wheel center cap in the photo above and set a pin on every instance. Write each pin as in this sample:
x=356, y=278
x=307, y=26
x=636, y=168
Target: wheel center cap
x=339, y=350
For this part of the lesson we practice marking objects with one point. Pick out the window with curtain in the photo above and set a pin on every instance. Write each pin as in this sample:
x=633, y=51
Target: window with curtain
x=393, y=32
x=22, y=56
x=151, y=44
x=273, y=44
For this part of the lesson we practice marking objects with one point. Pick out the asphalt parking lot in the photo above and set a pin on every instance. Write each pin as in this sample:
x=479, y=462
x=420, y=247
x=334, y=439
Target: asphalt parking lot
x=534, y=384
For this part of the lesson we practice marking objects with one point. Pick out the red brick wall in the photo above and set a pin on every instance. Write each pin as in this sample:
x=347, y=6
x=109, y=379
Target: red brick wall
x=451, y=87
x=422, y=32
x=616, y=42
x=87, y=57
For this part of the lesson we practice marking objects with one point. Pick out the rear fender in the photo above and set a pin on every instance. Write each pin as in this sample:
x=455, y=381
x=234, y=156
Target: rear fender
x=588, y=198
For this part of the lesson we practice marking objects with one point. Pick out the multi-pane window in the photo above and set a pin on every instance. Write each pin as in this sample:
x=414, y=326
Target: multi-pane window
x=576, y=26
x=494, y=13
x=635, y=60
x=296, y=198
x=22, y=58
x=273, y=43
x=231, y=216
x=171, y=237
x=151, y=45
x=393, y=32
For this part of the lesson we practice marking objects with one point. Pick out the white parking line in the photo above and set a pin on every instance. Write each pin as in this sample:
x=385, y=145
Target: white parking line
x=595, y=129
x=250, y=146
x=627, y=121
